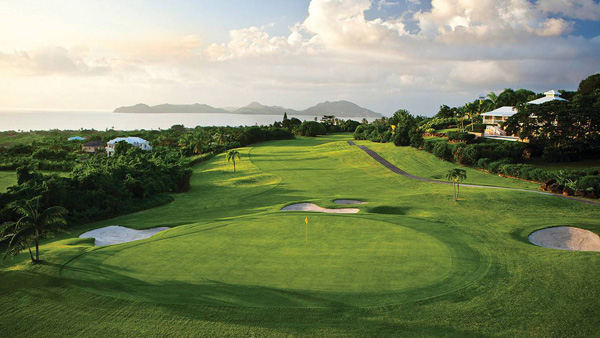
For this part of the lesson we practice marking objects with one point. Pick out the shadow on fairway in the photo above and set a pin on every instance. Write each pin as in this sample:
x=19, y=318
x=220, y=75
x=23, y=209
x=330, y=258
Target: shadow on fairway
x=389, y=210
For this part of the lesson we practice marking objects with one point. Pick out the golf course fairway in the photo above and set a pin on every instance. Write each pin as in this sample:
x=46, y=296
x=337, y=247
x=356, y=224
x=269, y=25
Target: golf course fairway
x=411, y=262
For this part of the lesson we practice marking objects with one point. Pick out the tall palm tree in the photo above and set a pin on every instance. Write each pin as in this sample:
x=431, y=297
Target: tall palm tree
x=231, y=155
x=494, y=98
x=456, y=175
x=31, y=228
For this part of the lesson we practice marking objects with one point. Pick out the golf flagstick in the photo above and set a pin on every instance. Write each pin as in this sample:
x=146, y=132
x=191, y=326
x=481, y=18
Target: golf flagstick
x=306, y=230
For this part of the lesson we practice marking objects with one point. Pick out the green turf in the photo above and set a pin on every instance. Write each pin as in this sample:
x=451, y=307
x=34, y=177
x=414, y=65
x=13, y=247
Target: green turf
x=412, y=262
x=423, y=164
x=7, y=179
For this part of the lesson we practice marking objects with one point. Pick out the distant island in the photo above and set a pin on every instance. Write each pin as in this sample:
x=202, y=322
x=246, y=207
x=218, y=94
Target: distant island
x=336, y=108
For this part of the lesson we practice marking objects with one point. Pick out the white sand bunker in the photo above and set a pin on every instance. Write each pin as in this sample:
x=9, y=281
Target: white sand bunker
x=115, y=234
x=315, y=208
x=349, y=202
x=566, y=238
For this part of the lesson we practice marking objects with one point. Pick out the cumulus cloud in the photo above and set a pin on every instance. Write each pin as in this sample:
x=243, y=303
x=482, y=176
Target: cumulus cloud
x=336, y=52
x=576, y=9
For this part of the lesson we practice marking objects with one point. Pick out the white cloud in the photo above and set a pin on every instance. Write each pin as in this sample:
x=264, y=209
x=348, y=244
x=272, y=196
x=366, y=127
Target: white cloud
x=461, y=47
x=577, y=9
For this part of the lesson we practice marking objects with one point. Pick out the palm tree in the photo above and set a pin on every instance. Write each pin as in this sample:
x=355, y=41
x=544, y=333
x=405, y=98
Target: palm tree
x=31, y=228
x=456, y=175
x=494, y=98
x=231, y=155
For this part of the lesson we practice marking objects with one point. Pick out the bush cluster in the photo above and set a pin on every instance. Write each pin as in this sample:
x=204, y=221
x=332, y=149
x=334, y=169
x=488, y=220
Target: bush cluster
x=312, y=128
x=460, y=136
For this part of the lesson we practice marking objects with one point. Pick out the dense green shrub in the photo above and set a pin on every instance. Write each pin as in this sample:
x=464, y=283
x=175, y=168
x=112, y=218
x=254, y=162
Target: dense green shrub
x=483, y=162
x=416, y=139
x=350, y=125
x=566, y=152
x=460, y=136
x=587, y=182
x=255, y=134
x=442, y=151
x=476, y=127
x=495, y=165
x=277, y=134
x=312, y=128
x=465, y=154
x=428, y=145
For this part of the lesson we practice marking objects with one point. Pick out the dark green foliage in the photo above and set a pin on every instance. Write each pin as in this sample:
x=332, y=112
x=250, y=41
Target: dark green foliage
x=566, y=152
x=465, y=154
x=495, y=165
x=416, y=138
x=442, y=151
x=255, y=135
x=278, y=134
x=476, y=127
x=122, y=147
x=587, y=182
x=590, y=85
x=483, y=162
x=428, y=145
x=312, y=128
x=405, y=124
x=26, y=173
x=350, y=125
x=103, y=187
x=429, y=125
x=460, y=136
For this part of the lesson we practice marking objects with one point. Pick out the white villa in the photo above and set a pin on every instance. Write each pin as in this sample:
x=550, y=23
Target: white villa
x=134, y=141
x=494, y=118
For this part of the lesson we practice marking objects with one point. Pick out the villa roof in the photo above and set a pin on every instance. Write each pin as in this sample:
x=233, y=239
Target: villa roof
x=551, y=95
x=502, y=111
x=76, y=138
x=130, y=140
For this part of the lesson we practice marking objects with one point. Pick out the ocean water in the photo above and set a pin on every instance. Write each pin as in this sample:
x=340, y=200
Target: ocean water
x=26, y=120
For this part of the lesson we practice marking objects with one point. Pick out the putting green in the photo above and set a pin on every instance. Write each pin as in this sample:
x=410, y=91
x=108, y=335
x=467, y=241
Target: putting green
x=379, y=262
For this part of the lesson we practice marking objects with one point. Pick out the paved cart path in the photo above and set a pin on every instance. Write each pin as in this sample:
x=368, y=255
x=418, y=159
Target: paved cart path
x=399, y=171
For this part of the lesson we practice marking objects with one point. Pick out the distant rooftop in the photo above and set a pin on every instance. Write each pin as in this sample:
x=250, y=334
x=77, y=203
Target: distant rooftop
x=130, y=140
x=551, y=95
x=502, y=111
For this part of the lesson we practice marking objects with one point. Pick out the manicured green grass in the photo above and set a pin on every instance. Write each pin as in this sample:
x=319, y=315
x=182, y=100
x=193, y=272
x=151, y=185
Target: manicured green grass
x=412, y=262
x=443, y=131
x=7, y=179
x=422, y=164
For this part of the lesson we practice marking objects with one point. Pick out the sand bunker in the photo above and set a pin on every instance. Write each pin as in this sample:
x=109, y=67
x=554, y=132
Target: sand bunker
x=115, y=234
x=566, y=238
x=315, y=208
x=349, y=202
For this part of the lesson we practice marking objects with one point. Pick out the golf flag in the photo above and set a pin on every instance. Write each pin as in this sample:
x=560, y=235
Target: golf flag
x=306, y=230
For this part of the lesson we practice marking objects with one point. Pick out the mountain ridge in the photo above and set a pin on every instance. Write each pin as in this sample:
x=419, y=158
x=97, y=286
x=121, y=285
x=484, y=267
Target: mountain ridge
x=337, y=108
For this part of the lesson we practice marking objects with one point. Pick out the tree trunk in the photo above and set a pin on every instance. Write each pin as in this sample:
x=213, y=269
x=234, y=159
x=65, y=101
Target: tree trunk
x=234, y=165
x=454, y=189
x=31, y=254
x=457, y=189
x=37, y=246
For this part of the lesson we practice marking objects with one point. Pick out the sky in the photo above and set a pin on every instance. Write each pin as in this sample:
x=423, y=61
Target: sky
x=383, y=55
